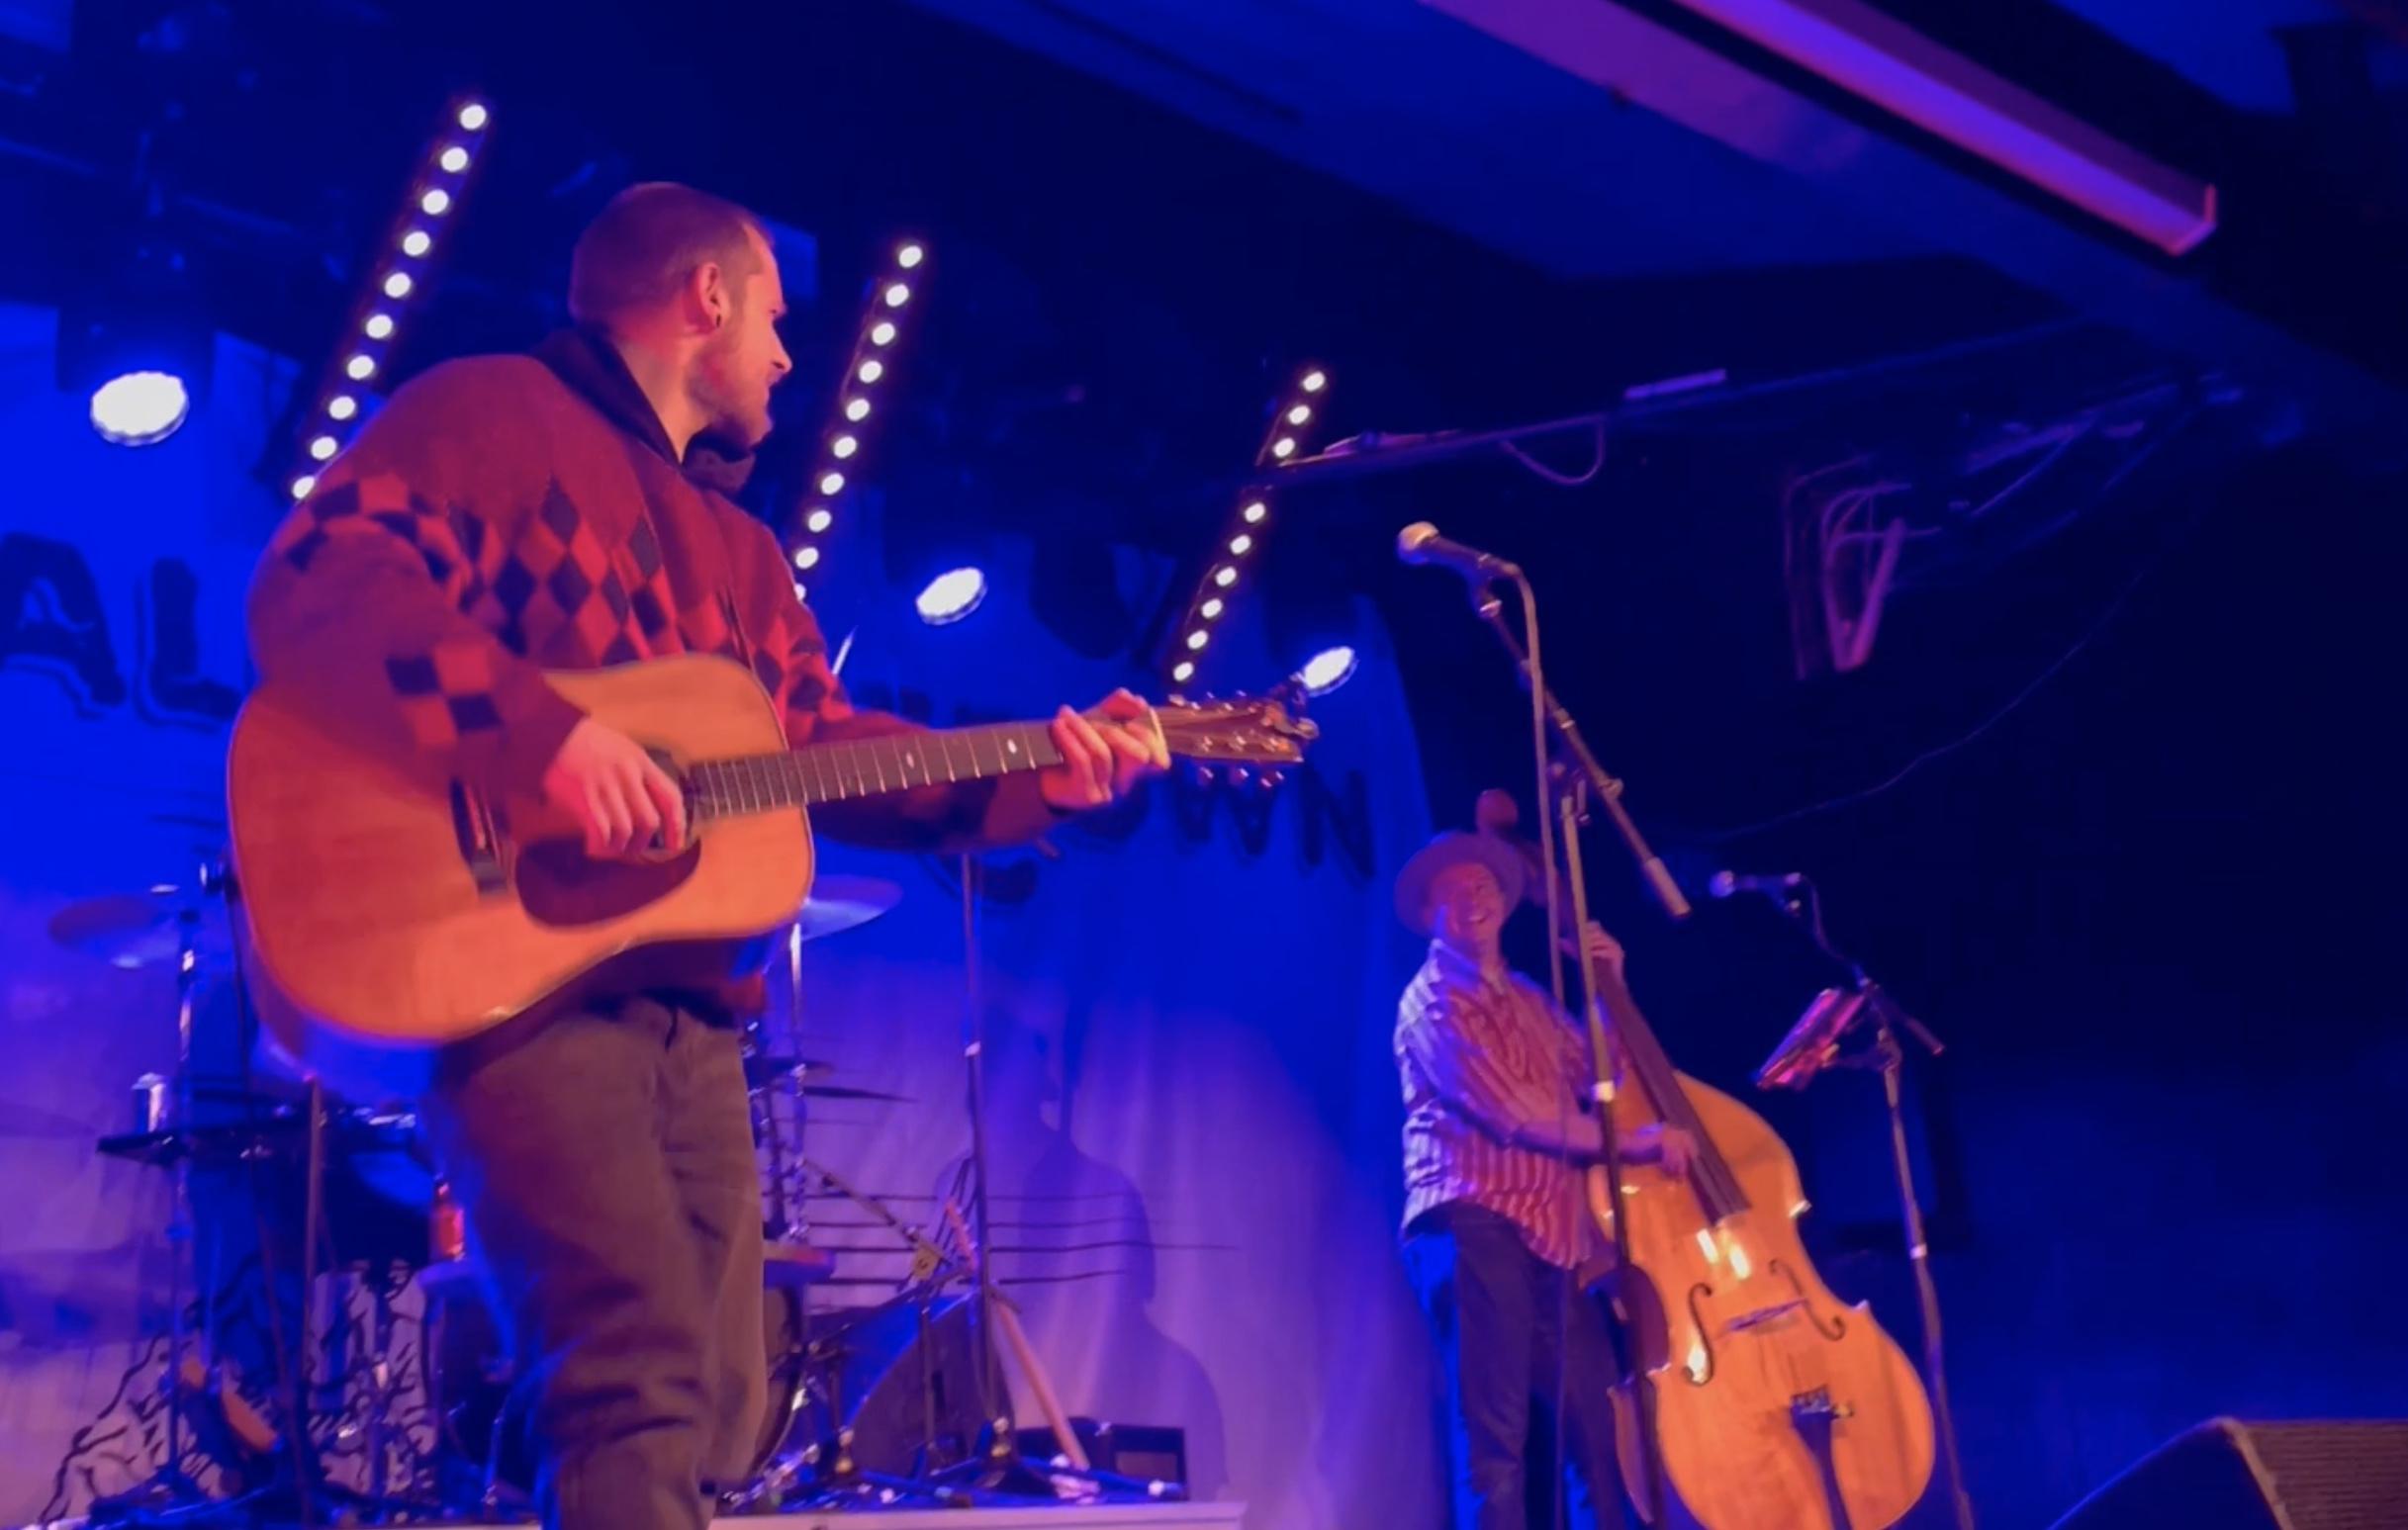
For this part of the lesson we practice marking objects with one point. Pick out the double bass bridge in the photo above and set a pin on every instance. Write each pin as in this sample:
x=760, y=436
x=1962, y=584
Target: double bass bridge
x=1764, y=1316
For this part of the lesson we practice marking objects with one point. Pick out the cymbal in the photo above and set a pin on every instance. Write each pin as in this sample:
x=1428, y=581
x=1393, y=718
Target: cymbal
x=140, y=928
x=761, y=1067
x=764, y=1073
x=841, y=903
x=848, y=1092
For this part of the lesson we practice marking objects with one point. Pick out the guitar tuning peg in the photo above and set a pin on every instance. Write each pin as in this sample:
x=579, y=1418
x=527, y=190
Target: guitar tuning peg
x=1203, y=775
x=1270, y=779
x=1238, y=775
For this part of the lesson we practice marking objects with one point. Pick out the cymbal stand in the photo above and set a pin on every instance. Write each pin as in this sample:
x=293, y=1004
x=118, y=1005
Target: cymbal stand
x=973, y=1057
x=991, y=1312
x=221, y=880
x=181, y=1251
x=781, y=1211
x=172, y=1116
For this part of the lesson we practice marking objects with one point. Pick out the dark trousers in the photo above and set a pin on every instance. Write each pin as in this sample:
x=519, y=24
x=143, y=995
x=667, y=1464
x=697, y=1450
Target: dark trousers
x=1506, y=1337
x=605, y=1161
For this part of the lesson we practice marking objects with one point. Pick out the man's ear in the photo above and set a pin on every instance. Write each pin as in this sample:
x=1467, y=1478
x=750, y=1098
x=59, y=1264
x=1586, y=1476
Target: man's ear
x=713, y=302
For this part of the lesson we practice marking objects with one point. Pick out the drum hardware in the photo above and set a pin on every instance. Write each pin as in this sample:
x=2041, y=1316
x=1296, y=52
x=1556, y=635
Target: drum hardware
x=841, y=1420
x=958, y=1457
x=857, y=1411
x=187, y=926
x=835, y=904
x=166, y=923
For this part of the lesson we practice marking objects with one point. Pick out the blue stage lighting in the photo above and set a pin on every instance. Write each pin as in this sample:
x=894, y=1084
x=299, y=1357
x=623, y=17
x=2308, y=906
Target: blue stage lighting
x=138, y=408
x=952, y=595
x=1328, y=669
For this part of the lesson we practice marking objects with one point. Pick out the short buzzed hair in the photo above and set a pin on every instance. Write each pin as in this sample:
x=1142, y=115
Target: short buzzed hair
x=648, y=241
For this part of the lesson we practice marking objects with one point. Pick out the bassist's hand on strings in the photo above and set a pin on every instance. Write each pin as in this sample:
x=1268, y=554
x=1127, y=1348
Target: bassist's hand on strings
x=1596, y=944
x=1103, y=757
x=605, y=781
x=1674, y=1149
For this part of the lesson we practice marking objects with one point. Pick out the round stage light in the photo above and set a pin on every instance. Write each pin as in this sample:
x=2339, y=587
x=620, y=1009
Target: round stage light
x=952, y=595
x=1326, y=671
x=140, y=408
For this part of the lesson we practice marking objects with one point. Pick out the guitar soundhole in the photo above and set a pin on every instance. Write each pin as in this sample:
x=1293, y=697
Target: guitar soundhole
x=559, y=884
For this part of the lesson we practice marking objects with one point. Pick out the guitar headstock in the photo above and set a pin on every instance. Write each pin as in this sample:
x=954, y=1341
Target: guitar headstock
x=1237, y=730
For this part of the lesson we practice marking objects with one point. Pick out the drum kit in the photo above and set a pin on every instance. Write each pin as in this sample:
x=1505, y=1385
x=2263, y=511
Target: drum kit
x=850, y=1420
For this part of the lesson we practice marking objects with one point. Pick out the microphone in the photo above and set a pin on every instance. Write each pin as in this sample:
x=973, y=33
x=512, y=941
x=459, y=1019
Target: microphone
x=1775, y=885
x=1421, y=543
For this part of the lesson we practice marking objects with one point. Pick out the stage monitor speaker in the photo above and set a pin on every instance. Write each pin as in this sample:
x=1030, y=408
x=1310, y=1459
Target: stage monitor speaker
x=2228, y=1474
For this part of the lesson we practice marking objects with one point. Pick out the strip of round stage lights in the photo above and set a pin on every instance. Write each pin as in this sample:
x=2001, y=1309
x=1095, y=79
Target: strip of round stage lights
x=861, y=400
x=1241, y=541
x=396, y=278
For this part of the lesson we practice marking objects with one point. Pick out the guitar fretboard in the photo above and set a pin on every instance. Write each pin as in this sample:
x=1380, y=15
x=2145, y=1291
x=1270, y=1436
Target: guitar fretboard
x=868, y=768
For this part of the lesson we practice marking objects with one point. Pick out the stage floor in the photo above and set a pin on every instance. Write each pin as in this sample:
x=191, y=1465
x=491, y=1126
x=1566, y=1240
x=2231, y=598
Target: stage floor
x=1066, y=1516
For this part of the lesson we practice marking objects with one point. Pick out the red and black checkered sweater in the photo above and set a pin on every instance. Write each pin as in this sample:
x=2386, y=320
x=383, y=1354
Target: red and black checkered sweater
x=508, y=514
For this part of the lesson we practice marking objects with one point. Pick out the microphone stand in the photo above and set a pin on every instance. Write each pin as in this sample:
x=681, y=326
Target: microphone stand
x=1571, y=803
x=1583, y=781
x=1606, y=788
x=1886, y=1056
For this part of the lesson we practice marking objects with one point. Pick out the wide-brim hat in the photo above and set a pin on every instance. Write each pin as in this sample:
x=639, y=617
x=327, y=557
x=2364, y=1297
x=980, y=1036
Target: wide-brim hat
x=1451, y=848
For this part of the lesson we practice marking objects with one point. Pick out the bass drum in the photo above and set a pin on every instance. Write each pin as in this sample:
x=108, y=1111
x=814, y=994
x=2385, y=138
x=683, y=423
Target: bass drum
x=898, y=1375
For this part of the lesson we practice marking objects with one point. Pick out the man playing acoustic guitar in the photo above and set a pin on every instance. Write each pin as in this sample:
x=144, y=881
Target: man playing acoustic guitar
x=508, y=514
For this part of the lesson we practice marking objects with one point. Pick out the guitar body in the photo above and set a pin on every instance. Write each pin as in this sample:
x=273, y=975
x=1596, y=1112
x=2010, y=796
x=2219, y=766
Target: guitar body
x=406, y=911
x=389, y=910
x=1775, y=1407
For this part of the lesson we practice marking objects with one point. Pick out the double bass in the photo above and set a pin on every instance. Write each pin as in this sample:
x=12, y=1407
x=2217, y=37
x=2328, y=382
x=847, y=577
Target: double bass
x=1772, y=1405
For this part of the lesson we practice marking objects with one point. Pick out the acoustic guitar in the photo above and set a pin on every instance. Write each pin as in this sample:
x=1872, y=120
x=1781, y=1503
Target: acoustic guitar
x=403, y=908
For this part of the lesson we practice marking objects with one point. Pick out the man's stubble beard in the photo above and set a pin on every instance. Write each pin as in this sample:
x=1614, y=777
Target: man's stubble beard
x=727, y=417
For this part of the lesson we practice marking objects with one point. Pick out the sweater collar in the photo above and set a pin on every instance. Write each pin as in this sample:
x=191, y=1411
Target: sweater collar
x=592, y=366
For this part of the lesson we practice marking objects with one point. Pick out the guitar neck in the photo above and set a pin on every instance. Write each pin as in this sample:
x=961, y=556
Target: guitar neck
x=848, y=770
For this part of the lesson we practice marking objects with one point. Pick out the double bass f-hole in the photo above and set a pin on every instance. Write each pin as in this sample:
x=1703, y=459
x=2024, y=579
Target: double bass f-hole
x=1698, y=1367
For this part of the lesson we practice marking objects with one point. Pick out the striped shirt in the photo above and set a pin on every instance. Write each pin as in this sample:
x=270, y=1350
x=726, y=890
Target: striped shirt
x=1479, y=1060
